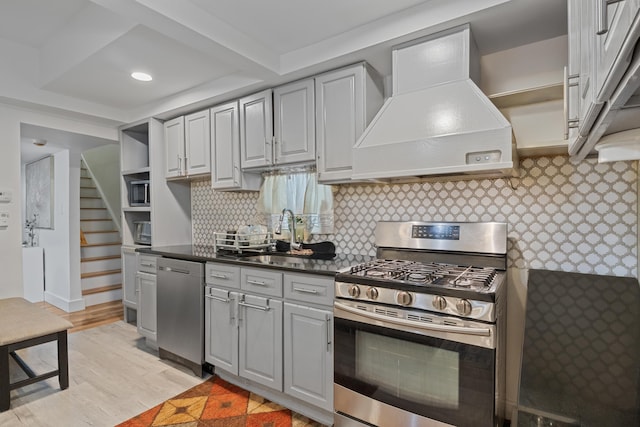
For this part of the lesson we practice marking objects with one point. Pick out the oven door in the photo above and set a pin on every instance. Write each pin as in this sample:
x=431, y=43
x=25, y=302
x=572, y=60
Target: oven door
x=390, y=370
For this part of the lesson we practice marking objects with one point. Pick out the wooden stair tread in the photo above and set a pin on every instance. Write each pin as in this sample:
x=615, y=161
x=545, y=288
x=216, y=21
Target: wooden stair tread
x=99, y=273
x=100, y=231
x=91, y=291
x=95, y=219
x=99, y=258
x=91, y=245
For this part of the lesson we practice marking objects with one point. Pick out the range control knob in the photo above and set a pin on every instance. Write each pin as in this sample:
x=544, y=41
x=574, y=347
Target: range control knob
x=354, y=291
x=439, y=302
x=464, y=307
x=403, y=298
x=372, y=293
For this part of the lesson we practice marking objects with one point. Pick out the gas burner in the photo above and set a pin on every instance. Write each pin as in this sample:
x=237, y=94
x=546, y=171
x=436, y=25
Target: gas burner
x=417, y=277
x=376, y=273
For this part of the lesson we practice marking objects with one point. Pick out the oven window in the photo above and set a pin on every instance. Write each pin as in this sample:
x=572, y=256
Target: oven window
x=408, y=370
x=440, y=379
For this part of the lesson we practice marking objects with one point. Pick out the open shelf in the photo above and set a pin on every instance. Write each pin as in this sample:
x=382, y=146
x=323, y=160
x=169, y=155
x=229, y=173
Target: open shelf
x=551, y=92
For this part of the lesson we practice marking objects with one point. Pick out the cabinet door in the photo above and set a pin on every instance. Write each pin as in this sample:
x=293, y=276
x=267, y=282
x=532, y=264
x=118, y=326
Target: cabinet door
x=339, y=121
x=147, y=311
x=221, y=329
x=225, y=146
x=256, y=130
x=174, y=147
x=261, y=340
x=129, y=270
x=294, y=119
x=197, y=143
x=612, y=61
x=308, y=355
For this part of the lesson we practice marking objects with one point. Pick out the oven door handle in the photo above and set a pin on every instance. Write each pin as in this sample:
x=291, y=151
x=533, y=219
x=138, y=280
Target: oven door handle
x=426, y=326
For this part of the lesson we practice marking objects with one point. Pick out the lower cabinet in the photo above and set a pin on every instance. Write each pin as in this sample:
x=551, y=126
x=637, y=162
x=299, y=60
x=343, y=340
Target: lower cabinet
x=287, y=345
x=243, y=335
x=308, y=354
x=147, y=312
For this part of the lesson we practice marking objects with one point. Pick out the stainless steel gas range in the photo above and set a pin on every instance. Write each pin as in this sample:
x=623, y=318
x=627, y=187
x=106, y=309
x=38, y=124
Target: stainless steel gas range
x=419, y=331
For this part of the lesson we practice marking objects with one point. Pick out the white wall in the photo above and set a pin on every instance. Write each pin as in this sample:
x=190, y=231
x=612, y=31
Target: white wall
x=104, y=164
x=11, y=237
x=62, y=281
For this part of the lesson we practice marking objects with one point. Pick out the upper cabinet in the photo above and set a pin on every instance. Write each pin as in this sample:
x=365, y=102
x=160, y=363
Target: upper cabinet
x=278, y=127
x=346, y=102
x=225, y=151
x=294, y=123
x=188, y=144
x=256, y=130
x=602, y=38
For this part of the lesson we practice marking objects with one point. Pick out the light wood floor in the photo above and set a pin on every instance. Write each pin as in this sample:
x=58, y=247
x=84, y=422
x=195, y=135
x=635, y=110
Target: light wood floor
x=95, y=315
x=113, y=376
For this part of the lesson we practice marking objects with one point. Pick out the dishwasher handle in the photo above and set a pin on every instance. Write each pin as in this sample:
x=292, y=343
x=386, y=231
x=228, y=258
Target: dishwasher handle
x=174, y=270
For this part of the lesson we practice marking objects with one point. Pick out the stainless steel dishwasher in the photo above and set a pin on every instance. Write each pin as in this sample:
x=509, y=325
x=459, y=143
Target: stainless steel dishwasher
x=181, y=312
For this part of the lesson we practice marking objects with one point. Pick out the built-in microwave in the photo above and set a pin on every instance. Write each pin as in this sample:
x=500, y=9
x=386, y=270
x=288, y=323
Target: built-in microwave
x=139, y=193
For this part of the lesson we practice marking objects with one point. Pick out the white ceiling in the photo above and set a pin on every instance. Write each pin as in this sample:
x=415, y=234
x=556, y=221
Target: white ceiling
x=77, y=55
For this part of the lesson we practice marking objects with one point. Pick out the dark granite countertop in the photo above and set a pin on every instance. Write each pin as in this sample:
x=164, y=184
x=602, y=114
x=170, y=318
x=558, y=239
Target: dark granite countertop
x=204, y=253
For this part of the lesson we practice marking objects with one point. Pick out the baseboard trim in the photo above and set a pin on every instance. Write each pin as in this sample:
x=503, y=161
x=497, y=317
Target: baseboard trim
x=64, y=304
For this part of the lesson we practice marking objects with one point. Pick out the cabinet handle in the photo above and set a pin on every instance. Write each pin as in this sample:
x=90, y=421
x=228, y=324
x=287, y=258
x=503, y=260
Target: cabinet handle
x=146, y=265
x=179, y=164
x=257, y=307
x=329, y=330
x=220, y=276
x=255, y=282
x=225, y=300
x=184, y=171
x=569, y=81
x=307, y=291
x=601, y=11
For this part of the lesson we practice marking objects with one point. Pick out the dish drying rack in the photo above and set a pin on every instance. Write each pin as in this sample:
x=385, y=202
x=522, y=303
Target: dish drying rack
x=234, y=242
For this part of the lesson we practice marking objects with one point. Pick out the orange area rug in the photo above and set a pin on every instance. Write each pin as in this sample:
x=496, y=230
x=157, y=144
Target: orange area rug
x=216, y=403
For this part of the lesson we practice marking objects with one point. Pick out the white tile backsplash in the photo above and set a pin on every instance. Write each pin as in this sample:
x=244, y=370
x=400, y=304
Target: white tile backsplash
x=562, y=216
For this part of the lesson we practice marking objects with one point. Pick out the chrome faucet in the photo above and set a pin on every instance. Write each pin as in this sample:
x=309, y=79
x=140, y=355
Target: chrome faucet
x=292, y=228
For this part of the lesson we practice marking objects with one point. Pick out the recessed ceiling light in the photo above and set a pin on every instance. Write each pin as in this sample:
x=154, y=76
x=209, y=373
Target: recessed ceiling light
x=143, y=77
x=39, y=142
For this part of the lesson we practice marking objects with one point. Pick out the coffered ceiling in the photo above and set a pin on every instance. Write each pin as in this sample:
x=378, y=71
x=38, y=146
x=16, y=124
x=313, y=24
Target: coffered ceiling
x=77, y=55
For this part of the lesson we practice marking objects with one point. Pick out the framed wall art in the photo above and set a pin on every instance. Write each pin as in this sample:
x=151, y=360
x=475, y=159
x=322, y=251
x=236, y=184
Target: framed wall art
x=40, y=192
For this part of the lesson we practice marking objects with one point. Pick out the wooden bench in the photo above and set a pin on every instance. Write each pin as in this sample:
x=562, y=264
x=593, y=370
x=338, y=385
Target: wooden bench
x=22, y=325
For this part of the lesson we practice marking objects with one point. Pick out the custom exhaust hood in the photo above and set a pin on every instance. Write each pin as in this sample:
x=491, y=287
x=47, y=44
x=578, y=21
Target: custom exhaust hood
x=437, y=121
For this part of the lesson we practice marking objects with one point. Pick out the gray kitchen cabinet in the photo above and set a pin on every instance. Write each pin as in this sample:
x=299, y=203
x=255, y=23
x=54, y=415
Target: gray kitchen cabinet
x=602, y=38
x=174, y=147
x=197, y=144
x=188, y=145
x=260, y=340
x=294, y=122
x=308, y=354
x=226, y=173
x=256, y=130
x=221, y=330
x=243, y=331
x=346, y=101
x=129, y=258
x=146, y=290
x=147, y=311
x=613, y=24
x=277, y=127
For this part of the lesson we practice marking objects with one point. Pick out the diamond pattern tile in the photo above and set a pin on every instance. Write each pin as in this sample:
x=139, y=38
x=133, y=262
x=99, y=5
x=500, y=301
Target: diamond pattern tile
x=562, y=216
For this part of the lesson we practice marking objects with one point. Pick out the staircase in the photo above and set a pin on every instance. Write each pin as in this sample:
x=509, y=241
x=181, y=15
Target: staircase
x=100, y=264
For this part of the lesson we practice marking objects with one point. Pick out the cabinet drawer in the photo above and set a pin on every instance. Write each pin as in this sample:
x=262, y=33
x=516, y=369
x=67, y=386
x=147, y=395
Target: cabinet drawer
x=222, y=275
x=147, y=263
x=264, y=282
x=309, y=288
